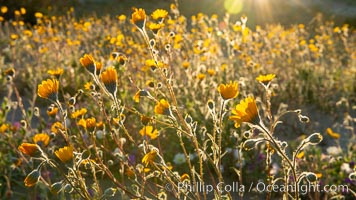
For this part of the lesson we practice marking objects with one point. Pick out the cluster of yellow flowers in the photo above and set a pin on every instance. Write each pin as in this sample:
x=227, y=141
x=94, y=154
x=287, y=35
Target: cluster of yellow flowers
x=159, y=70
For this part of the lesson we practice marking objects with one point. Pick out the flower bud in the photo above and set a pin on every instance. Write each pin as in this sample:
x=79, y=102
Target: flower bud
x=32, y=178
x=56, y=187
x=311, y=177
x=314, y=139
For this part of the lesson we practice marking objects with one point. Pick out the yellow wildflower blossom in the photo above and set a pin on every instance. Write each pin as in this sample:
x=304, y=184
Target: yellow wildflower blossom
x=48, y=89
x=245, y=111
x=149, y=131
x=65, y=154
x=229, y=91
x=149, y=158
x=162, y=107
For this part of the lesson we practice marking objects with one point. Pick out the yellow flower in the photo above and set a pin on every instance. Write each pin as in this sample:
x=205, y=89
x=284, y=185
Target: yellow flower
x=17, y=13
x=88, y=63
x=211, y=72
x=57, y=72
x=334, y=135
x=185, y=64
x=4, y=127
x=4, y=9
x=29, y=149
x=52, y=111
x=56, y=127
x=32, y=178
x=23, y=10
x=155, y=27
x=88, y=124
x=149, y=157
x=140, y=93
x=184, y=177
x=48, y=89
x=159, y=14
x=98, y=67
x=265, y=78
x=109, y=78
x=79, y=113
x=14, y=36
x=201, y=76
x=245, y=111
x=300, y=155
x=121, y=18
x=65, y=154
x=162, y=107
x=151, y=63
x=149, y=131
x=89, y=85
x=138, y=17
x=41, y=139
x=229, y=91
x=38, y=15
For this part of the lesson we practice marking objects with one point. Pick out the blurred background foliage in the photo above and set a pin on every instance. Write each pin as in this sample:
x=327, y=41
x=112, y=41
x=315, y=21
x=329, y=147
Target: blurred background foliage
x=259, y=12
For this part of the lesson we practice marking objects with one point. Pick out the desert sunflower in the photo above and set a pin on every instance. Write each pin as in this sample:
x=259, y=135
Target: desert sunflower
x=109, y=78
x=48, y=89
x=162, y=107
x=138, y=17
x=149, y=131
x=229, y=91
x=265, y=79
x=149, y=157
x=65, y=154
x=245, y=111
x=29, y=149
x=42, y=139
x=88, y=63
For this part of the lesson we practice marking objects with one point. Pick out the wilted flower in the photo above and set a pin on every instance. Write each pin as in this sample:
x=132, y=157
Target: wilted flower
x=245, y=111
x=109, y=78
x=48, y=89
x=162, y=107
x=228, y=91
x=41, y=139
x=65, y=154
x=29, y=149
x=149, y=157
x=149, y=131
